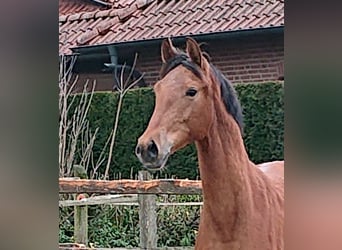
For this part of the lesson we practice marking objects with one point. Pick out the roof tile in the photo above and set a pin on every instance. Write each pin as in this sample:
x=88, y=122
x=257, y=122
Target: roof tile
x=141, y=3
x=104, y=13
x=67, y=7
x=89, y=15
x=131, y=20
x=74, y=17
x=126, y=12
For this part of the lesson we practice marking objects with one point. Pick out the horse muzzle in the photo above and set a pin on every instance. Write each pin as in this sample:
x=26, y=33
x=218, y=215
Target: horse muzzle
x=150, y=156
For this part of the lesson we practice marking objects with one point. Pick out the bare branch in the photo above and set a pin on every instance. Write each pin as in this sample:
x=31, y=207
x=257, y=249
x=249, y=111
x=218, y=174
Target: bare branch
x=76, y=138
x=75, y=127
x=122, y=92
x=122, y=86
x=65, y=74
x=131, y=72
x=134, y=83
x=101, y=158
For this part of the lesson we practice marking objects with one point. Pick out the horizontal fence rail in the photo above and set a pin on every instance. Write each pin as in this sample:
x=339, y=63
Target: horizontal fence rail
x=119, y=200
x=68, y=246
x=142, y=193
x=116, y=199
x=74, y=246
x=167, y=186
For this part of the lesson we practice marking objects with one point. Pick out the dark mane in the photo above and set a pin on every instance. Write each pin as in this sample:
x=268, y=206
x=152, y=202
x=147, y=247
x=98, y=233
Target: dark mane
x=229, y=97
x=180, y=59
x=228, y=93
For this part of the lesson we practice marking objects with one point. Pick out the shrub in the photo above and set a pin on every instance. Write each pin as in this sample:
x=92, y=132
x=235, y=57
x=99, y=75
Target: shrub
x=118, y=226
x=263, y=109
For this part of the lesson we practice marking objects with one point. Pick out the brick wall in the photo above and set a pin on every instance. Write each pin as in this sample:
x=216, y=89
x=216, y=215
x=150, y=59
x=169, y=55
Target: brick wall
x=250, y=62
x=248, y=59
x=150, y=64
x=103, y=82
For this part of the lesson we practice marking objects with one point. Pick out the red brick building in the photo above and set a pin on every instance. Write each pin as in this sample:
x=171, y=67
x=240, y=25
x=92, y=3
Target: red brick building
x=245, y=38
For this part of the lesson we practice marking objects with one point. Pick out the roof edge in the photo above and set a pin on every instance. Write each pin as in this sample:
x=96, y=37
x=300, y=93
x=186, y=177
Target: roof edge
x=212, y=35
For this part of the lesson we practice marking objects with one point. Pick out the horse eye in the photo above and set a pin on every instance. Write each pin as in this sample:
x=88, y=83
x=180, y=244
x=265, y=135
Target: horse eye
x=191, y=92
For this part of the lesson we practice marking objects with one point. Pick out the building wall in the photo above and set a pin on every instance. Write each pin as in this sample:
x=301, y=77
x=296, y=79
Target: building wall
x=250, y=61
x=102, y=82
x=247, y=59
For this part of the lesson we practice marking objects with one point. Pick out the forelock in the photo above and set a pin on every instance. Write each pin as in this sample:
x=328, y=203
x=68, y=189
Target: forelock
x=180, y=59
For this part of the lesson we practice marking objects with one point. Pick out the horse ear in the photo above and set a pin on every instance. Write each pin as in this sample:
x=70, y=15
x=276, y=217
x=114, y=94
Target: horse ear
x=167, y=50
x=194, y=51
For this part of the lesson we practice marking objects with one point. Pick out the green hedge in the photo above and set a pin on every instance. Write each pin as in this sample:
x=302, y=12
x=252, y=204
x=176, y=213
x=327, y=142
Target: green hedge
x=263, y=117
x=263, y=106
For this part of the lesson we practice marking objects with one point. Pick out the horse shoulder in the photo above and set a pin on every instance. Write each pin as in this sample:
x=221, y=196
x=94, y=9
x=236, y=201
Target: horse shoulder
x=272, y=179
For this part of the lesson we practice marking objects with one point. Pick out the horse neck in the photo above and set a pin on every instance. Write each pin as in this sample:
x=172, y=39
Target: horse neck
x=225, y=170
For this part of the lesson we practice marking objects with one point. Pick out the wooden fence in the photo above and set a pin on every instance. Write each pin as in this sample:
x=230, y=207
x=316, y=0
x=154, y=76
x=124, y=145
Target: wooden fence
x=141, y=192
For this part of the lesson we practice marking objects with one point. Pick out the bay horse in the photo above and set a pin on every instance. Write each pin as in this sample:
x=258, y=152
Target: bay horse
x=243, y=204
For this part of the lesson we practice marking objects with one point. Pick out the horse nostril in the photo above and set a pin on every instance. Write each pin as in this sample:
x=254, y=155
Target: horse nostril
x=138, y=149
x=152, y=150
x=147, y=153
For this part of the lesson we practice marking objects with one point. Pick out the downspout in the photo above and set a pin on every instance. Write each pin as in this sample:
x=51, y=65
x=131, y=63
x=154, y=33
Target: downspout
x=113, y=53
x=117, y=68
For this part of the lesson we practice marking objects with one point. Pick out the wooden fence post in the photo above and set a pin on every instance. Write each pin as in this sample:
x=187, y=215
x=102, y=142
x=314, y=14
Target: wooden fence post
x=80, y=222
x=147, y=216
x=80, y=212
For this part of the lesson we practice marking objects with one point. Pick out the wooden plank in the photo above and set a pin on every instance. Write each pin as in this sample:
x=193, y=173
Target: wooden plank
x=158, y=248
x=165, y=186
x=147, y=216
x=103, y=199
x=67, y=203
x=74, y=246
x=180, y=203
x=80, y=221
x=81, y=224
